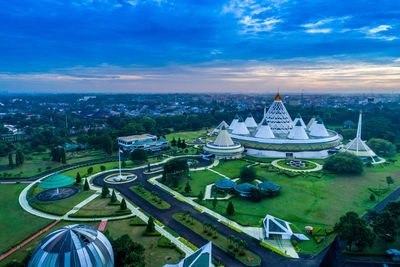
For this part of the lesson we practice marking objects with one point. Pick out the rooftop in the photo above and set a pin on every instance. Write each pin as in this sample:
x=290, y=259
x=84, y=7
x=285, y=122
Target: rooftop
x=136, y=137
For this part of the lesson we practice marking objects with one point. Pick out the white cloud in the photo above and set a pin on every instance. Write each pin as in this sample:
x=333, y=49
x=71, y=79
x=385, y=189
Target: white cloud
x=315, y=27
x=258, y=25
x=324, y=30
x=380, y=29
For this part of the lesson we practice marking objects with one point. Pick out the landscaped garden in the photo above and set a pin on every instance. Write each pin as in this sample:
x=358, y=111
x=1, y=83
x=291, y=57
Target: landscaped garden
x=60, y=207
x=16, y=224
x=230, y=168
x=100, y=207
x=157, y=251
x=286, y=164
x=150, y=197
x=233, y=245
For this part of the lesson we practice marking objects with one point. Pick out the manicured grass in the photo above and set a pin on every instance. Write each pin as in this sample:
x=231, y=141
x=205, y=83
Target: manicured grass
x=312, y=200
x=256, y=159
x=187, y=135
x=60, y=207
x=198, y=181
x=230, y=168
x=310, y=165
x=154, y=256
x=39, y=162
x=311, y=246
x=26, y=250
x=151, y=198
x=218, y=240
x=16, y=224
x=98, y=207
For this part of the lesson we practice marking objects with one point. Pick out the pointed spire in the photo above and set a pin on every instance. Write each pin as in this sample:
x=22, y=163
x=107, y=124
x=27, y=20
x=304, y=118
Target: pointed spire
x=278, y=97
x=359, y=125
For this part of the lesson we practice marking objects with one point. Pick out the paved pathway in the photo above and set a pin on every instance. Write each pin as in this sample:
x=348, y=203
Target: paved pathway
x=318, y=168
x=102, y=225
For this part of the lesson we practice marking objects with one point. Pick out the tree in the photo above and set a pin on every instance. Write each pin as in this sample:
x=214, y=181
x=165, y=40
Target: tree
x=214, y=202
x=183, y=144
x=179, y=142
x=90, y=170
x=372, y=197
x=345, y=163
x=113, y=197
x=105, y=191
x=389, y=180
x=63, y=157
x=173, y=170
x=188, y=189
x=139, y=155
x=102, y=168
x=256, y=194
x=10, y=160
x=247, y=174
x=78, y=178
x=385, y=226
x=382, y=147
x=19, y=158
x=127, y=252
x=200, y=197
x=86, y=185
x=173, y=142
x=354, y=231
x=107, y=143
x=230, y=210
x=123, y=206
x=150, y=228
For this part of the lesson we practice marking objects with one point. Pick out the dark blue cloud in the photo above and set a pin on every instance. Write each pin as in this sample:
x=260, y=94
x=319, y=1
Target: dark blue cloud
x=39, y=36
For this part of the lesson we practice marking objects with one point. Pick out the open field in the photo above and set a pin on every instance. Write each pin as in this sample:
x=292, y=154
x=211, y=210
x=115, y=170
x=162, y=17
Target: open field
x=155, y=256
x=60, y=207
x=187, y=135
x=38, y=162
x=230, y=168
x=14, y=219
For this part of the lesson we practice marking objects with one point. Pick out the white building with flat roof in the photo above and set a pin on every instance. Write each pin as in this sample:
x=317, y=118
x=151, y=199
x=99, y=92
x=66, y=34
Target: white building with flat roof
x=143, y=141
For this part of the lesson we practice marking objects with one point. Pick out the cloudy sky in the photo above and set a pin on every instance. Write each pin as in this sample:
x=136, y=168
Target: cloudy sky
x=237, y=46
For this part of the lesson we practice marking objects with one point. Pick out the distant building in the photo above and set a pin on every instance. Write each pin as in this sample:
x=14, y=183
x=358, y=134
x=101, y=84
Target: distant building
x=13, y=134
x=144, y=141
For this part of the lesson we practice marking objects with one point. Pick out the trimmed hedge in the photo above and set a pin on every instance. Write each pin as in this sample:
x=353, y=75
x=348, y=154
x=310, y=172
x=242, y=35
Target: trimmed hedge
x=187, y=243
x=136, y=221
x=164, y=242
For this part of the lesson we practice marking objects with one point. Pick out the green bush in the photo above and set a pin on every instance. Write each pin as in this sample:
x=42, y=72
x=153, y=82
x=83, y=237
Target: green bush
x=164, y=242
x=318, y=231
x=136, y=221
x=345, y=163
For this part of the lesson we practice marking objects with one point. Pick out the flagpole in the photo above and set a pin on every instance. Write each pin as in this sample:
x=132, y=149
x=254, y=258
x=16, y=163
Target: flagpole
x=119, y=161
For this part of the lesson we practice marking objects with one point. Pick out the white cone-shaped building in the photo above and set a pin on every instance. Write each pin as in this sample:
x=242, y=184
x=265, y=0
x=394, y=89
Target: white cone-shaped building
x=250, y=122
x=300, y=119
x=234, y=122
x=223, y=138
x=240, y=128
x=318, y=129
x=224, y=146
x=311, y=122
x=358, y=147
x=278, y=118
x=298, y=132
x=219, y=127
x=264, y=131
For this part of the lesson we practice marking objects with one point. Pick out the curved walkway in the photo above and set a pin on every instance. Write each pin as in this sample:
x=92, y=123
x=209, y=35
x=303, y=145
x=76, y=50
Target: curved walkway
x=317, y=168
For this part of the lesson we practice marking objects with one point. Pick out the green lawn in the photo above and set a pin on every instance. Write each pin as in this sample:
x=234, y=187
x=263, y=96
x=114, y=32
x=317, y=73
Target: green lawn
x=151, y=198
x=38, y=162
x=60, y=207
x=309, y=199
x=155, y=256
x=16, y=224
x=98, y=207
x=187, y=135
x=220, y=240
x=230, y=168
x=26, y=250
